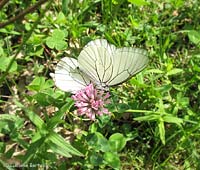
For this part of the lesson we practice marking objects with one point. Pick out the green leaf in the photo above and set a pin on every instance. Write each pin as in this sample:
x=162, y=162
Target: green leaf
x=62, y=144
x=58, y=35
x=148, y=117
x=2, y=147
x=7, y=31
x=65, y=6
x=1, y=52
x=45, y=97
x=117, y=142
x=182, y=101
x=59, y=150
x=98, y=142
x=172, y=119
x=96, y=159
x=6, y=126
x=93, y=127
x=138, y=2
x=5, y=62
x=196, y=67
x=56, y=40
x=12, y=118
x=162, y=131
x=39, y=84
x=11, y=124
x=164, y=88
x=60, y=45
x=103, y=120
x=50, y=42
x=32, y=150
x=102, y=142
x=174, y=71
x=35, y=119
x=36, y=136
x=59, y=115
x=48, y=97
x=9, y=153
x=196, y=56
x=157, y=71
x=61, y=19
x=42, y=98
x=31, y=115
x=112, y=160
x=194, y=36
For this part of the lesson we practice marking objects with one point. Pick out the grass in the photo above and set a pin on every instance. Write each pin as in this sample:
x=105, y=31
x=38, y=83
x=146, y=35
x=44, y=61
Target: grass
x=155, y=115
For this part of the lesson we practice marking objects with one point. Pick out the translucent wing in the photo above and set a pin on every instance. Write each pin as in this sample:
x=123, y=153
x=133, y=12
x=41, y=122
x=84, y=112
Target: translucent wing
x=100, y=43
x=126, y=63
x=100, y=63
x=107, y=65
x=68, y=77
x=96, y=60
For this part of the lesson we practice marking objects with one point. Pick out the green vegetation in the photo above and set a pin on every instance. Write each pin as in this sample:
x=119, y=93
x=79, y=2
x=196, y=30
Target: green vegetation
x=155, y=120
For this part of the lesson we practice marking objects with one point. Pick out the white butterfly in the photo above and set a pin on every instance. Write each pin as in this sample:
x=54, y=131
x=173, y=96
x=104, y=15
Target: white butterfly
x=100, y=63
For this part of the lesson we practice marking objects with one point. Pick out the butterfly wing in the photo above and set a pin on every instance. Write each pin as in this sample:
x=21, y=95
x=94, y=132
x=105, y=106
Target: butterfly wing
x=96, y=60
x=107, y=65
x=68, y=77
x=101, y=63
x=126, y=63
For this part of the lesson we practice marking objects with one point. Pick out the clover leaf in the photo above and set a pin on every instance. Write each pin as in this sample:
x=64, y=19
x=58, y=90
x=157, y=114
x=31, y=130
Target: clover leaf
x=57, y=40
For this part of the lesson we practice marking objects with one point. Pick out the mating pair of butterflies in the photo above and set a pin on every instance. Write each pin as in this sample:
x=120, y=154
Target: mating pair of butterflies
x=99, y=63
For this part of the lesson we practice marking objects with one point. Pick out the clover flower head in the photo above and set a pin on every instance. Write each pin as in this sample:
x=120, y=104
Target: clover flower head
x=91, y=102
